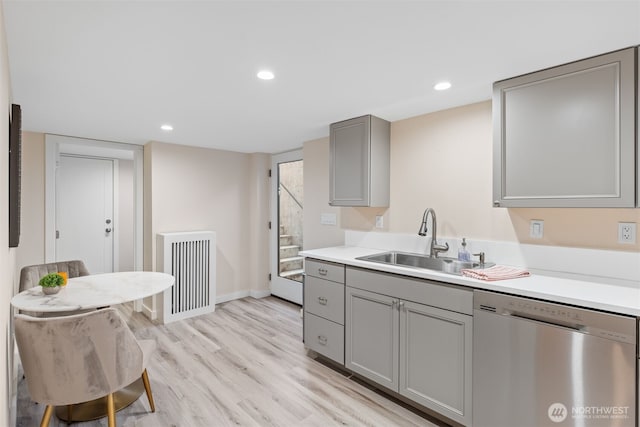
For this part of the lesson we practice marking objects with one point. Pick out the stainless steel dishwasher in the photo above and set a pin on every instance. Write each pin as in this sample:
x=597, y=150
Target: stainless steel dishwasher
x=543, y=364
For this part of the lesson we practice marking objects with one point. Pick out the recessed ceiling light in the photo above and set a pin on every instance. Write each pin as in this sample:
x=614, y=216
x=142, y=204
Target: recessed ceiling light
x=265, y=75
x=442, y=86
x=166, y=127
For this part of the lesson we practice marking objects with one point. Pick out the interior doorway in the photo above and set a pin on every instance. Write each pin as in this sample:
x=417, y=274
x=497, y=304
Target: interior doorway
x=287, y=203
x=126, y=222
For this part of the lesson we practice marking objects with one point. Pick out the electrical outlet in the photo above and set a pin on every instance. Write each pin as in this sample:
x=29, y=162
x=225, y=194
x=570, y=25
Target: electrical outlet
x=379, y=221
x=627, y=232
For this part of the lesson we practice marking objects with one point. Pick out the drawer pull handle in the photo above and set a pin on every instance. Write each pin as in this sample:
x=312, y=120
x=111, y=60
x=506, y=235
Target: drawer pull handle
x=322, y=271
x=322, y=301
x=322, y=340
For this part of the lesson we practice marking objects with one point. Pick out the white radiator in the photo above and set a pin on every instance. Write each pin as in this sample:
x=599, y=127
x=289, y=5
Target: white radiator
x=190, y=258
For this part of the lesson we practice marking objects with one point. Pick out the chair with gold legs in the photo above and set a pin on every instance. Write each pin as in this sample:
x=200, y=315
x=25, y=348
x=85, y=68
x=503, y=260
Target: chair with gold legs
x=79, y=358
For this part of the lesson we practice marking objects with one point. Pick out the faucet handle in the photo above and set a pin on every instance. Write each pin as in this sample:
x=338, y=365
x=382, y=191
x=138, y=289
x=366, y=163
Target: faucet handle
x=481, y=256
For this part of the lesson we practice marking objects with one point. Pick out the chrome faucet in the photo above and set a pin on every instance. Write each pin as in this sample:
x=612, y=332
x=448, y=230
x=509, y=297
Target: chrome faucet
x=435, y=247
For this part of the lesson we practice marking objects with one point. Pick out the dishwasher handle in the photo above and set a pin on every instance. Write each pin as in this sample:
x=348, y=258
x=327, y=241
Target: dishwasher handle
x=570, y=326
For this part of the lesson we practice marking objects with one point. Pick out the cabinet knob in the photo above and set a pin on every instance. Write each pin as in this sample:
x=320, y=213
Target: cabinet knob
x=322, y=301
x=496, y=203
x=322, y=272
x=322, y=340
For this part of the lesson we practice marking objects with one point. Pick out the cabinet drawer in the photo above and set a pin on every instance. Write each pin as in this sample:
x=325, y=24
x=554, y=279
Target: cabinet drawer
x=324, y=298
x=324, y=270
x=324, y=337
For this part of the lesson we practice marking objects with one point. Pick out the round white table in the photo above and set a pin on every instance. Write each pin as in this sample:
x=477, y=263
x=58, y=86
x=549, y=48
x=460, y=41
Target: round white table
x=89, y=292
x=93, y=291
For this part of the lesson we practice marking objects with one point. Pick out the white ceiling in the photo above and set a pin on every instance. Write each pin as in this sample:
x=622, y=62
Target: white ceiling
x=117, y=70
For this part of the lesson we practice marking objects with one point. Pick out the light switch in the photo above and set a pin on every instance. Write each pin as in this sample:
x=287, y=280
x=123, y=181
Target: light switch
x=536, y=229
x=328, y=219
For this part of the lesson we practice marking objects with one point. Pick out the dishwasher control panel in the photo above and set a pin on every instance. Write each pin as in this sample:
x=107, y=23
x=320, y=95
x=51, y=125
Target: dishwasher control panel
x=606, y=325
x=549, y=311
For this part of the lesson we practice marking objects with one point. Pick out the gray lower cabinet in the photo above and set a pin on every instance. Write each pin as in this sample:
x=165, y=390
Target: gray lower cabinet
x=420, y=351
x=324, y=309
x=372, y=336
x=435, y=359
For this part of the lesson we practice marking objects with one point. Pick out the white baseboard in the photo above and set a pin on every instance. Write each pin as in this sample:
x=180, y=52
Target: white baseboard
x=260, y=294
x=242, y=294
x=150, y=313
x=230, y=297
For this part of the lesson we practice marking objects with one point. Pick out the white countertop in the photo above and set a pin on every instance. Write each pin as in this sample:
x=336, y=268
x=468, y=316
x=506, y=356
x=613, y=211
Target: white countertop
x=600, y=296
x=96, y=290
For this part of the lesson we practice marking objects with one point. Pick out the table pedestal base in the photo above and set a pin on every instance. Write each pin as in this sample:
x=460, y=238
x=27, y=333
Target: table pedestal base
x=94, y=409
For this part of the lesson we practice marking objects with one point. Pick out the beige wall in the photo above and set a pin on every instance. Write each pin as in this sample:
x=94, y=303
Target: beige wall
x=7, y=255
x=259, y=199
x=189, y=189
x=443, y=160
x=316, y=189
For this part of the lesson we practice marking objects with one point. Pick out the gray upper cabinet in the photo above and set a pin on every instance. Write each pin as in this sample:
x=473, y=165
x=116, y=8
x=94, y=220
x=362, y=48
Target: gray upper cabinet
x=359, y=162
x=565, y=136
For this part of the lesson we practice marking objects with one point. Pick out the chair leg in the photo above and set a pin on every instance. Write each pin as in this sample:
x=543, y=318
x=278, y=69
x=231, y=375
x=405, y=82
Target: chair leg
x=111, y=411
x=46, y=417
x=147, y=388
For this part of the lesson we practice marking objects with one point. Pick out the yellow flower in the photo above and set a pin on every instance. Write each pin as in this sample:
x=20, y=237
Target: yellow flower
x=65, y=277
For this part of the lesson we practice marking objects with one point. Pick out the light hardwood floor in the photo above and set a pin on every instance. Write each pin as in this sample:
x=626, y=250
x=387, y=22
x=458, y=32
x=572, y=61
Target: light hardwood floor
x=243, y=365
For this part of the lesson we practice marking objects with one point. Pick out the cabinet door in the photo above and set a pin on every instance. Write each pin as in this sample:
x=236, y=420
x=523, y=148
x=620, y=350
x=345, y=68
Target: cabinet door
x=435, y=359
x=349, y=162
x=565, y=136
x=371, y=336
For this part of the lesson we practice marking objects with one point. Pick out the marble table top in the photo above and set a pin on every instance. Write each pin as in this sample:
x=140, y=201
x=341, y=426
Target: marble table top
x=96, y=290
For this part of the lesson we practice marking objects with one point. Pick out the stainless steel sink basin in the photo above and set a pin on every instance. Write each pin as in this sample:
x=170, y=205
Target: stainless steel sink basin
x=444, y=264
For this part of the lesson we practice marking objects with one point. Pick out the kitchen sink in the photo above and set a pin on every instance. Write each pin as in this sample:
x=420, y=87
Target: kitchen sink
x=444, y=264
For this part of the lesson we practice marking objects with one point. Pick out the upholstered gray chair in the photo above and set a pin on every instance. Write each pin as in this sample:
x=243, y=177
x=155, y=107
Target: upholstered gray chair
x=31, y=274
x=78, y=358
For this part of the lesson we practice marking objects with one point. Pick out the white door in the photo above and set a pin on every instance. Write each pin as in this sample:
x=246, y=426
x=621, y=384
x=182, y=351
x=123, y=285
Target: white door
x=286, y=225
x=84, y=212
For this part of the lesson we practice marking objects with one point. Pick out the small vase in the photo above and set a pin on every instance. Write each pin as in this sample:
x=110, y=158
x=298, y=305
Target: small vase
x=50, y=290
